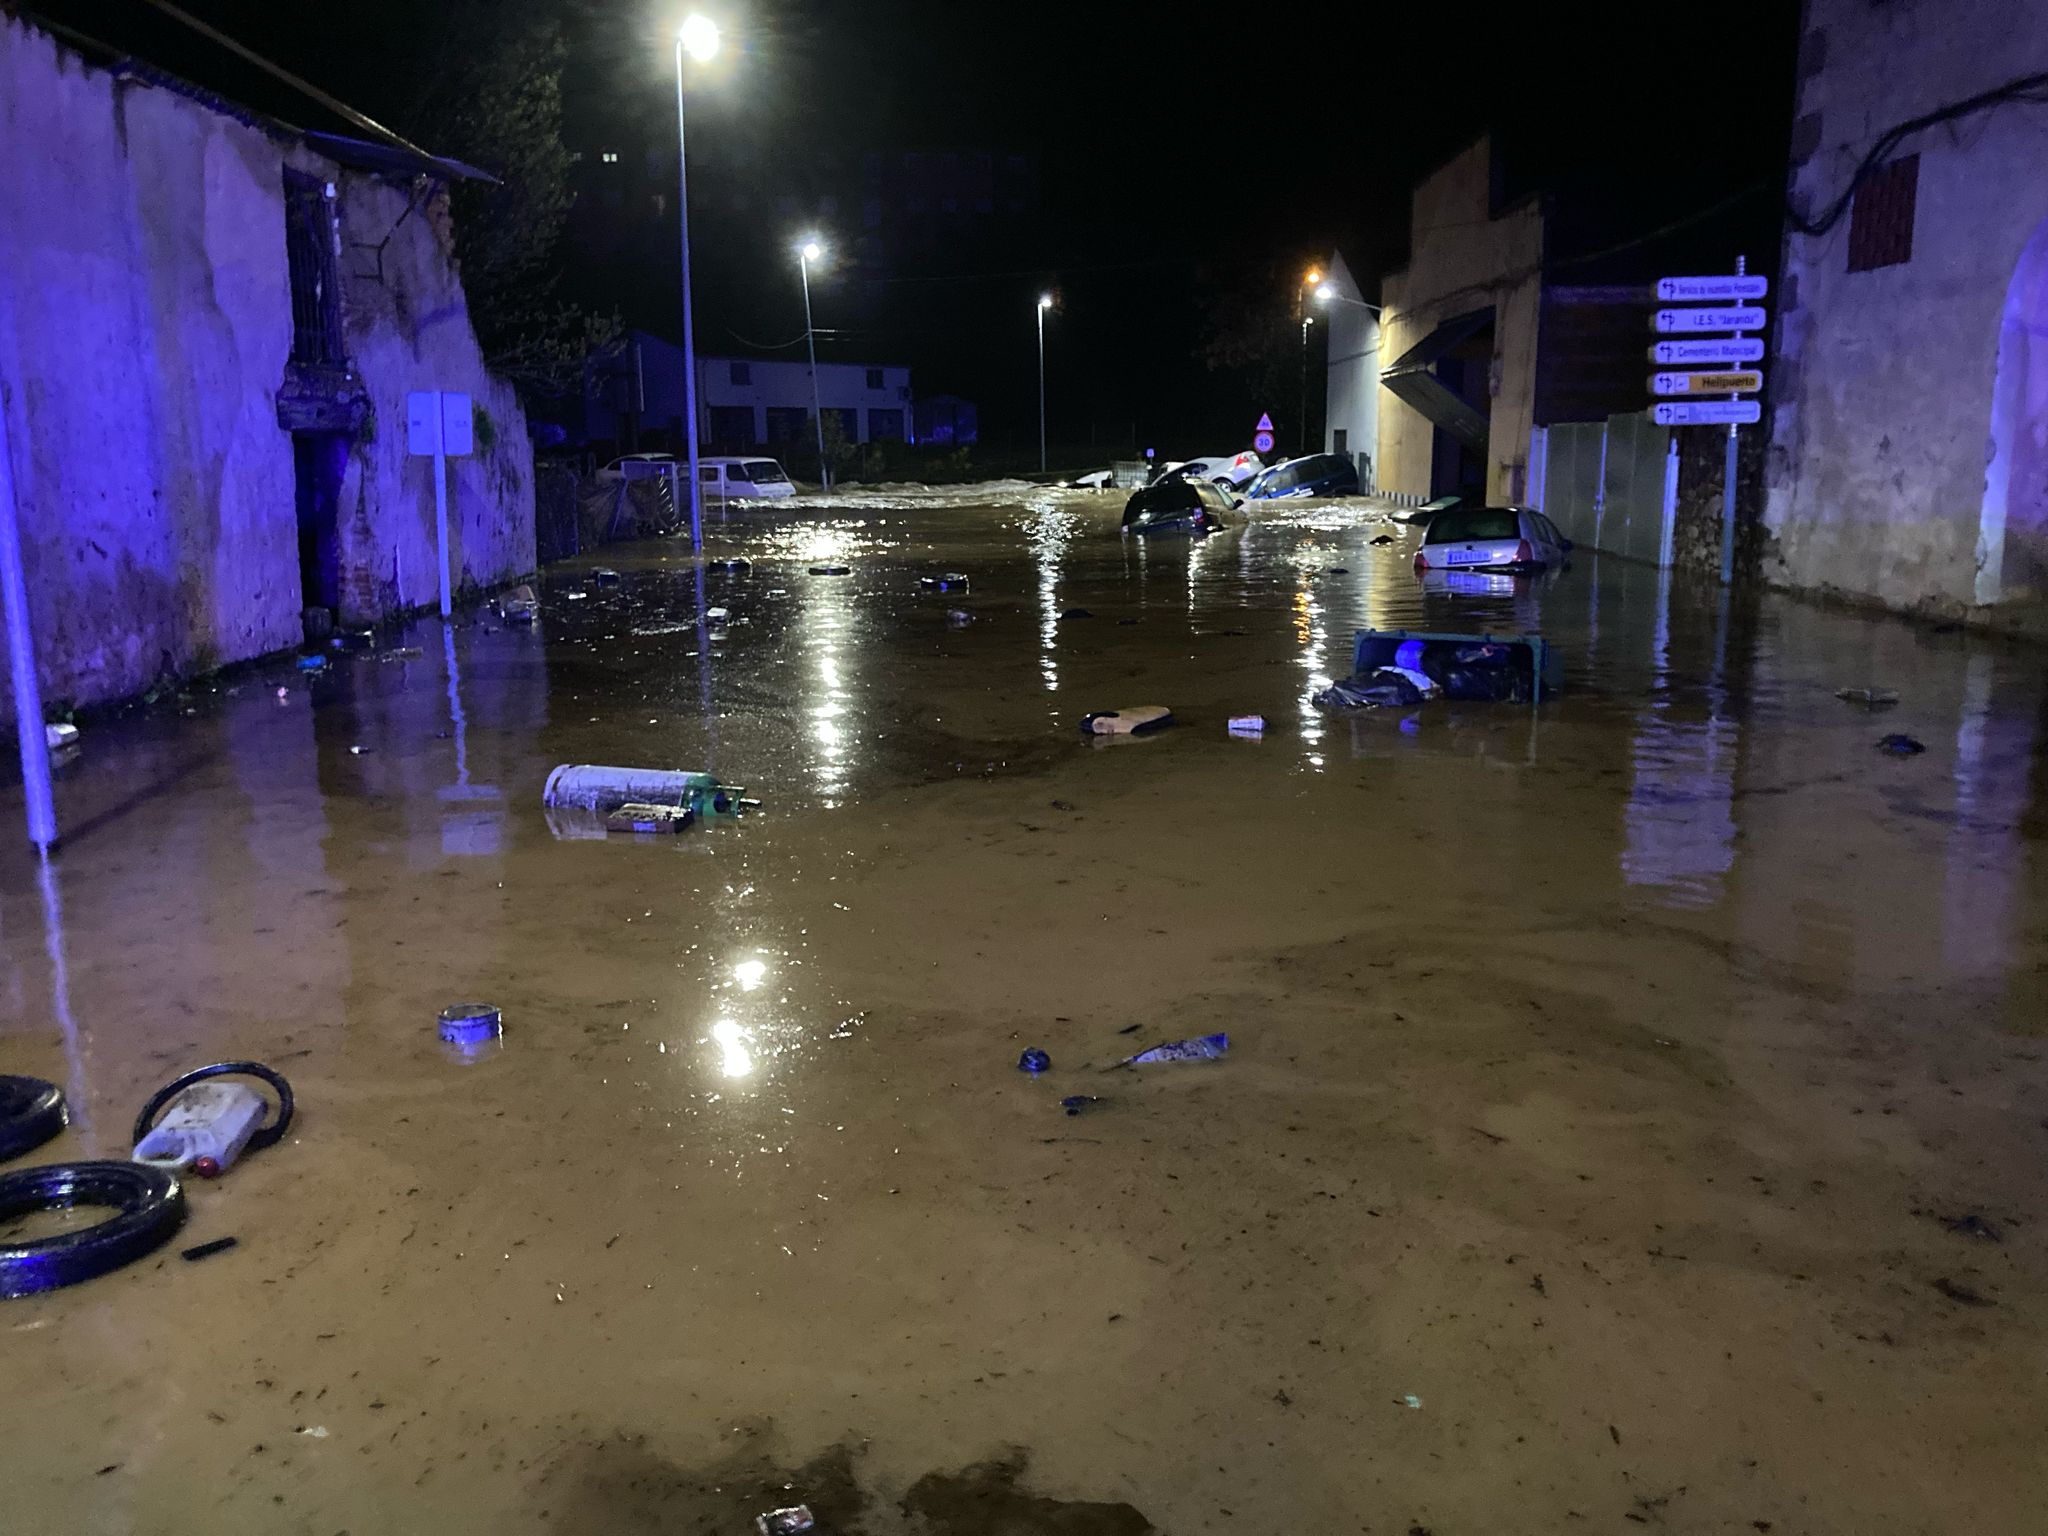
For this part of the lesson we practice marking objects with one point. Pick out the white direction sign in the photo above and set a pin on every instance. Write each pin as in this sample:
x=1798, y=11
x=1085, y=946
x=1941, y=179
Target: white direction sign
x=1707, y=413
x=1707, y=289
x=1720, y=349
x=1741, y=318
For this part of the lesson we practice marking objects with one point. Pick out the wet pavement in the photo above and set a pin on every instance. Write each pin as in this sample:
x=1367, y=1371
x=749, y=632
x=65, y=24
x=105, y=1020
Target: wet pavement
x=1609, y=1082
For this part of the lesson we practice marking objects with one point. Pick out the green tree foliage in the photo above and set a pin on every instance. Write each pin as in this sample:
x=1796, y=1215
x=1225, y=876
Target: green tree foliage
x=488, y=91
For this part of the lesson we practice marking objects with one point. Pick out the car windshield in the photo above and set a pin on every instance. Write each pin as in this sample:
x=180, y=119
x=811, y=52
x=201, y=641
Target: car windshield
x=764, y=472
x=1485, y=523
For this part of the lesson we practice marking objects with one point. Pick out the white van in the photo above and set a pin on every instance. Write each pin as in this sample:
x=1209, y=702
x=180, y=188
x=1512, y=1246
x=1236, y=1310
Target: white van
x=732, y=478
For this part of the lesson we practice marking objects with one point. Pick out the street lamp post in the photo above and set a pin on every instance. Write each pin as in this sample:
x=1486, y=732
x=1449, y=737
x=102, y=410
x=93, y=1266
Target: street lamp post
x=1044, y=303
x=698, y=37
x=1305, y=319
x=807, y=253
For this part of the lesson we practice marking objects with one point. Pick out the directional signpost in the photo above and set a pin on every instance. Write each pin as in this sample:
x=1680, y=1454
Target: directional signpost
x=1739, y=317
x=1716, y=349
x=1695, y=290
x=1712, y=303
x=1706, y=413
x=1736, y=381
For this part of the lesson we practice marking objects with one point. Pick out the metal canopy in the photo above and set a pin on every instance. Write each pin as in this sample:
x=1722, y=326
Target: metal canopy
x=1412, y=377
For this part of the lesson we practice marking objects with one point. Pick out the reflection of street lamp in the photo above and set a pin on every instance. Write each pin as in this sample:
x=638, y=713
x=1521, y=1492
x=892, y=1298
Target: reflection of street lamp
x=807, y=253
x=1044, y=303
x=698, y=37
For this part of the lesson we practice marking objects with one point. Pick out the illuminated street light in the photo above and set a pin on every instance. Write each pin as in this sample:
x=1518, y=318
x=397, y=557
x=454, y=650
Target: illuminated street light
x=1315, y=275
x=806, y=253
x=1044, y=303
x=699, y=37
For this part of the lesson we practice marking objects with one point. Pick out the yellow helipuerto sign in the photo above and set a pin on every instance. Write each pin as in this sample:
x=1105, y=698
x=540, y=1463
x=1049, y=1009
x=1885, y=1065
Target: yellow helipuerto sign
x=1736, y=381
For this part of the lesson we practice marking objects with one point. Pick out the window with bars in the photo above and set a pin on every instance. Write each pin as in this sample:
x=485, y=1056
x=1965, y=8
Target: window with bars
x=312, y=242
x=1881, y=216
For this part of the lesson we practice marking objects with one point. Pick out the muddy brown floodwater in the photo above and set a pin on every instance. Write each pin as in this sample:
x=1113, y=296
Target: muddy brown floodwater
x=1610, y=1084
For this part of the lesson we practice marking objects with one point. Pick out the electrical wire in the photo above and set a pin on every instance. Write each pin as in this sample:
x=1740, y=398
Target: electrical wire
x=2027, y=88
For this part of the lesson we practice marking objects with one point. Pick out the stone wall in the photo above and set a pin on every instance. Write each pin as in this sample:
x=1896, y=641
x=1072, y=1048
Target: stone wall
x=145, y=325
x=1907, y=428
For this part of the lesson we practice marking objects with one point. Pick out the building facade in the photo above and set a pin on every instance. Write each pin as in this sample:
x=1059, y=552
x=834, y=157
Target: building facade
x=209, y=326
x=635, y=399
x=1908, y=383
x=1351, y=410
x=1458, y=334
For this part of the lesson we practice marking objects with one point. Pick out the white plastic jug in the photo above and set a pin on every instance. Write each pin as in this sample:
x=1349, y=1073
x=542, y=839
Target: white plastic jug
x=204, y=1128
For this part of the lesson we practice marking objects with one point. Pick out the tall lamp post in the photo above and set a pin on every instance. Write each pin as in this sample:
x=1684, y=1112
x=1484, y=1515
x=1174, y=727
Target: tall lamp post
x=1044, y=303
x=807, y=253
x=1305, y=320
x=698, y=37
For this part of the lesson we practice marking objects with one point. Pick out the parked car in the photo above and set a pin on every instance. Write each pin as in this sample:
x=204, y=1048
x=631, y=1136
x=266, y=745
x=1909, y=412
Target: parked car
x=763, y=479
x=1318, y=474
x=1491, y=539
x=1226, y=469
x=1181, y=506
x=645, y=465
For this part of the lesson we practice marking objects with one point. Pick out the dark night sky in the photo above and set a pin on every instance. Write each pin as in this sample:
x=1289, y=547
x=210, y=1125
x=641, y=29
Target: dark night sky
x=1177, y=153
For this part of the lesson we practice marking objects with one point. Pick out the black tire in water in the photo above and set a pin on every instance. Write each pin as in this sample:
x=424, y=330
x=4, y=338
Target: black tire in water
x=148, y=1205
x=31, y=1112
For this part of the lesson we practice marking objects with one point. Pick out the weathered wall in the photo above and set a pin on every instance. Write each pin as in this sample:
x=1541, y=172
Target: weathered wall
x=1892, y=390
x=1462, y=259
x=408, y=329
x=145, y=317
x=145, y=325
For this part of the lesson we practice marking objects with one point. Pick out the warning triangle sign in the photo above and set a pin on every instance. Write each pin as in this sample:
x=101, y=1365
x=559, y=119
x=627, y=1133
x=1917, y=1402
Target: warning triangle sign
x=1265, y=423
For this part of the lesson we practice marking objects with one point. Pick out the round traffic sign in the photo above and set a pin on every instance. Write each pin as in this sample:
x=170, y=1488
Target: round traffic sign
x=1263, y=441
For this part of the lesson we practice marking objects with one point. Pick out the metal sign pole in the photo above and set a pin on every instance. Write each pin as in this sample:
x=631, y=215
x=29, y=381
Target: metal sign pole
x=441, y=521
x=21, y=655
x=1728, y=481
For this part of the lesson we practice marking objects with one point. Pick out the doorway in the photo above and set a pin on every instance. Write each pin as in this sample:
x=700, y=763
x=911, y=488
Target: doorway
x=319, y=460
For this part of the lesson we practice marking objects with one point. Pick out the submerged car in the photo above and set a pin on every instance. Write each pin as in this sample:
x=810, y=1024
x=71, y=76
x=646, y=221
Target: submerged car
x=1225, y=469
x=1317, y=474
x=763, y=479
x=635, y=466
x=1180, y=506
x=1491, y=539
x=1422, y=516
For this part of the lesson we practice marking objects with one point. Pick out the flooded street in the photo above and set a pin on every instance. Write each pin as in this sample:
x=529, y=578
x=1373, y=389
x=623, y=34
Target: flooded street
x=1603, y=1077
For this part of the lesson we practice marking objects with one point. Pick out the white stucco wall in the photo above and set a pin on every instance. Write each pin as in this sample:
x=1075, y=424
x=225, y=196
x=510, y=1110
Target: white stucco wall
x=145, y=324
x=1352, y=399
x=1882, y=383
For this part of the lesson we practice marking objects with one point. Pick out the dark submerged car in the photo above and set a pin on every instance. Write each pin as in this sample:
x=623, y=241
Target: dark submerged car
x=1179, y=506
x=1318, y=474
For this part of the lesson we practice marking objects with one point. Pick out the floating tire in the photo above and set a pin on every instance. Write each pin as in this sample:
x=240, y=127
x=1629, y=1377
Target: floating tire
x=148, y=1205
x=31, y=1112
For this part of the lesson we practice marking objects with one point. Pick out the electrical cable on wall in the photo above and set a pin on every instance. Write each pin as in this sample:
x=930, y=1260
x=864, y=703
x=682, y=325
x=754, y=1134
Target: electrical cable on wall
x=2027, y=88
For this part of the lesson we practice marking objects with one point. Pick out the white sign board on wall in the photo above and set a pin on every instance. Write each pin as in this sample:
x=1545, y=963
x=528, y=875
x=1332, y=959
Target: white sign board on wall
x=440, y=424
x=439, y=421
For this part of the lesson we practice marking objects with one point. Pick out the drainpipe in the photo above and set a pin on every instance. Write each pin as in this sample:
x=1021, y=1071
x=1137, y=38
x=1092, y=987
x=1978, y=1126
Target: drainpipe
x=28, y=695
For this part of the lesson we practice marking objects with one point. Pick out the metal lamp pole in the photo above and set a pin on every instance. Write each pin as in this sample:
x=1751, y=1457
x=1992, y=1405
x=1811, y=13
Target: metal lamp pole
x=1305, y=319
x=1044, y=303
x=804, y=255
x=698, y=36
